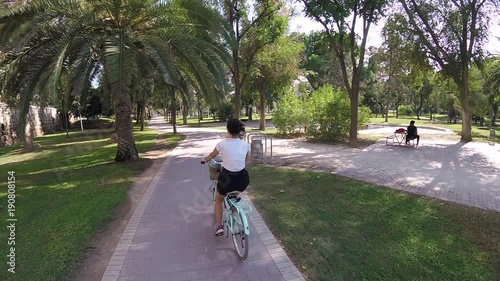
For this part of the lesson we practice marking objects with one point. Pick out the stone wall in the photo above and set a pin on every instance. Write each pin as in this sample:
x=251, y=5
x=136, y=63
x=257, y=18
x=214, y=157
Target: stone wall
x=42, y=120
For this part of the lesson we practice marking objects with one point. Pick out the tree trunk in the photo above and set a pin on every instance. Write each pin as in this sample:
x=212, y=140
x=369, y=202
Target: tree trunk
x=66, y=111
x=138, y=113
x=28, y=142
x=262, y=109
x=143, y=109
x=466, y=123
x=466, y=110
x=237, y=84
x=173, y=116
x=184, y=110
x=173, y=108
x=354, y=95
x=250, y=112
x=387, y=112
x=81, y=121
x=124, y=129
x=419, y=109
x=494, y=114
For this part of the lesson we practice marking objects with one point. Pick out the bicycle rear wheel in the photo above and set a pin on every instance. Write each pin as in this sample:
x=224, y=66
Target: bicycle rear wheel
x=240, y=240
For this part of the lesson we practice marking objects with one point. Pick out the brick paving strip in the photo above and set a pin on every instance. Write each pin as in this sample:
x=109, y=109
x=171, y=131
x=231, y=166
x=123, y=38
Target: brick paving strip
x=170, y=235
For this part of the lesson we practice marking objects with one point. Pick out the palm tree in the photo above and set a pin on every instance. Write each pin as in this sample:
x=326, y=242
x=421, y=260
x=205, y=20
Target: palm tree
x=113, y=39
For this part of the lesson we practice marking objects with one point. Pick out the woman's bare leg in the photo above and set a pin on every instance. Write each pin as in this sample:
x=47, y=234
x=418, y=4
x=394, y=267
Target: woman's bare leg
x=218, y=208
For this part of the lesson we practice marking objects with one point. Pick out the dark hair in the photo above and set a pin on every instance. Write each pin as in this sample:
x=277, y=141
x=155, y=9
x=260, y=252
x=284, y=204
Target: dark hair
x=412, y=122
x=234, y=126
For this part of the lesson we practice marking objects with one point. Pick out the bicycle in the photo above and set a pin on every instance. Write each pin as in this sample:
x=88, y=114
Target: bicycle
x=236, y=221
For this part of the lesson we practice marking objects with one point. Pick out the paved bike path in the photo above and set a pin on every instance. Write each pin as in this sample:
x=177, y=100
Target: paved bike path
x=170, y=235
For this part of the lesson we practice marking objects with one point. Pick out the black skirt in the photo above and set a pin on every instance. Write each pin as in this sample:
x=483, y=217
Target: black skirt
x=232, y=181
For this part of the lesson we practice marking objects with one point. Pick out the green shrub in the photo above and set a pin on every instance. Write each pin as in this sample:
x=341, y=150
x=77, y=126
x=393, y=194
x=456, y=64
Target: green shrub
x=364, y=114
x=405, y=110
x=290, y=114
x=326, y=114
x=330, y=114
x=224, y=111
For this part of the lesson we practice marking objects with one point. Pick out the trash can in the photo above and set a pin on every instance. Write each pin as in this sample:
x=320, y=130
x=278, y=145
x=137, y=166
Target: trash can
x=492, y=137
x=256, y=149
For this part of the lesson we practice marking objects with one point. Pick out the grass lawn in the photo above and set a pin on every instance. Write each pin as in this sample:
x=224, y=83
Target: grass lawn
x=478, y=133
x=339, y=229
x=66, y=191
x=193, y=121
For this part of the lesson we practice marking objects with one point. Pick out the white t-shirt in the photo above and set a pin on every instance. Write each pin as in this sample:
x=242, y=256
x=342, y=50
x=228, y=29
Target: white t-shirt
x=233, y=153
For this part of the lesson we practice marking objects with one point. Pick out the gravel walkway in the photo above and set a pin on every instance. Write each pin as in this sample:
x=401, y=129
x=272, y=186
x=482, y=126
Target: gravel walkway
x=465, y=173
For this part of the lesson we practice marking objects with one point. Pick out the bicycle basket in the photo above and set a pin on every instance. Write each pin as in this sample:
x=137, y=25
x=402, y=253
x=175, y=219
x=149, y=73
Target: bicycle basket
x=214, y=169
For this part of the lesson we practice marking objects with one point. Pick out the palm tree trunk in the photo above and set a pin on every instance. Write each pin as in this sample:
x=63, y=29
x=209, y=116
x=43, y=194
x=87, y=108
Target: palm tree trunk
x=173, y=109
x=28, y=142
x=173, y=116
x=124, y=130
x=184, y=110
x=143, y=109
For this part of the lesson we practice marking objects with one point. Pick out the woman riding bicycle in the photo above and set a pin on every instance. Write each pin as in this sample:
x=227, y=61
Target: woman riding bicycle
x=234, y=176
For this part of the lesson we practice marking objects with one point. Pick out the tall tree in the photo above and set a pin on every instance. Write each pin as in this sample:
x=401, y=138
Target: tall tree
x=251, y=33
x=452, y=33
x=340, y=19
x=319, y=63
x=115, y=36
x=273, y=71
x=492, y=87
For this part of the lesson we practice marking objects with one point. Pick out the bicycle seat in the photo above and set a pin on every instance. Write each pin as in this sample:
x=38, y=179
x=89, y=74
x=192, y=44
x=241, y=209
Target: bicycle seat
x=233, y=194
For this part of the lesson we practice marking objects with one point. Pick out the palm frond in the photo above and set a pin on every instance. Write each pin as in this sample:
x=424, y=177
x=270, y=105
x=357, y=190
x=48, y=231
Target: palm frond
x=163, y=61
x=118, y=58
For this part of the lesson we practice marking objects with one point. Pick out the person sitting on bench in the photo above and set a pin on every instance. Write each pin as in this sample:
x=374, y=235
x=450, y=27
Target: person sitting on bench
x=412, y=133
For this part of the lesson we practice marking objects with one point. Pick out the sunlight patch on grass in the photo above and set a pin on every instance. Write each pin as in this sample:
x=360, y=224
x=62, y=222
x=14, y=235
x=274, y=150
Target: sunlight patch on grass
x=335, y=228
x=67, y=190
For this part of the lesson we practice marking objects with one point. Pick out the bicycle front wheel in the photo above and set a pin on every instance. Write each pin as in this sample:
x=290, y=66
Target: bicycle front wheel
x=240, y=239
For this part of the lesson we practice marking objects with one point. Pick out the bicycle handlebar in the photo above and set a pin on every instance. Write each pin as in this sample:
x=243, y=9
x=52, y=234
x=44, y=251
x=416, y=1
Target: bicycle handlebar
x=204, y=162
